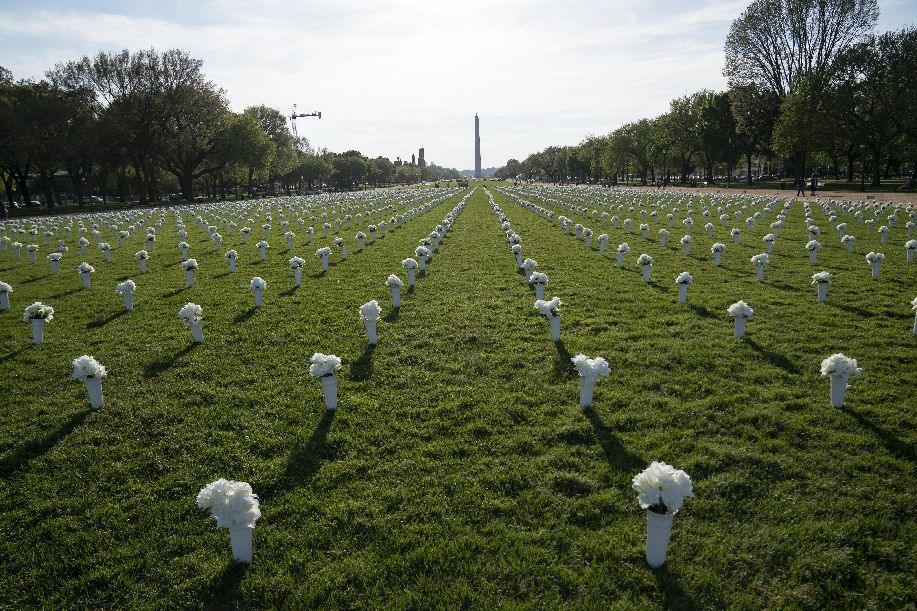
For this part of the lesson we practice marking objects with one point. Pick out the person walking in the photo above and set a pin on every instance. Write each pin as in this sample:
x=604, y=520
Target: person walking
x=814, y=182
x=800, y=187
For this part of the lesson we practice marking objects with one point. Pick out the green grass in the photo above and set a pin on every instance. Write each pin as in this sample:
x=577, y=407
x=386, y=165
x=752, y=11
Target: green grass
x=459, y=470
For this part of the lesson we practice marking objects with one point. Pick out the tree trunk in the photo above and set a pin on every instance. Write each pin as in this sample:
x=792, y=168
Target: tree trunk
x=748, y=163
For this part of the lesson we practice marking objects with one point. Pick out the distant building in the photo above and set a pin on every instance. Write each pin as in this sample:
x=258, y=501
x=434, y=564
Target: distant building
x=413, y=159
x=477, y=147
x=398, y=163
x=420, y=159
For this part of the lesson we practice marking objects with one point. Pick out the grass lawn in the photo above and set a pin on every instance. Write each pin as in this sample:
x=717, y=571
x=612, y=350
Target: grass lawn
x=459, y=469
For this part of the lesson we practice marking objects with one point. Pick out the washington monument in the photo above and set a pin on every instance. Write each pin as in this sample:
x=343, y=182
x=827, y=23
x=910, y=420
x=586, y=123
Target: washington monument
x=477, y=147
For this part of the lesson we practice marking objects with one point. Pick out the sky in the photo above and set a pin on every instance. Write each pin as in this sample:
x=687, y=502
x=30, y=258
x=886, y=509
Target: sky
x=391, y=77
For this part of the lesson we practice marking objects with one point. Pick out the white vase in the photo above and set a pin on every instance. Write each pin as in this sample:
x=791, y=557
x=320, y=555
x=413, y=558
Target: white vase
x=330, y=391
x=838, y=390
x=263, y=252
x=910, y=255
x=822, y=291
x=55, y=267
x=244, y=237
x=813, y=255
x=106, y=255
x=371, y=331
x=232, y=264
x=736, y=238
x=915, y=325
x=586, y=387
x=38, y=330
x=646, y=273
x=875, y=269
x=770, y=247
x=686, y=248
x=555, y=328
x=884, y=238
x=620, y=259
x=716, y=259
x=740, y=326
x=663, y=240
x=324, y=263
x=189, y=277
x=197, y=331
x=297, y=276
x=149, y=244
x=658, y=532
x=289, y=243
x=143, y=266
x=411, y=276
x=33, y=256
x=94, y=387
x=217, y=245
x=85, y=280
x=601, y=249
x=422, y=261
x=343, y=252
x=360, y=243
x=128, y=300
x=682, y=293
x=184, y=253
x=240, y=537
x=4, y=301
x=396, y=296
x=539, y=291
x=588, y=242
x=850, y=246
x=759, y=273
x=258, y=297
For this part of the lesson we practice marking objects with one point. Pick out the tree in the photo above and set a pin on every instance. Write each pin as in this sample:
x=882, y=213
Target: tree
x=274, y=124
x=247, y=147
x=755, y=111
x=776, y=44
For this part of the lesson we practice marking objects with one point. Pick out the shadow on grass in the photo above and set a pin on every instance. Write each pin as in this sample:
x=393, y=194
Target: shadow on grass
x=895, y=446
x=176, y=292
x=785, y=287
x=64, y=294
x=563, y=368
x=392, y=316
x=244, y=316
x=10, y=355
x=410, y=290
x=675, y=596
x=223, y=275
x=159, y=367
x=305, y=459
x=618, y=457
x=702, y=311
x=774, y=358
x=225, y=591
x=290, y=291
x=362, y=368
x=318, y=274
x=33, y=449
x=96, y=324
x=851, y=309
x=36, y=279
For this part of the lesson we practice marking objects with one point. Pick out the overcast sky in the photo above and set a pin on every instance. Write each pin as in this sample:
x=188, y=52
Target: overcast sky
x=390, y=77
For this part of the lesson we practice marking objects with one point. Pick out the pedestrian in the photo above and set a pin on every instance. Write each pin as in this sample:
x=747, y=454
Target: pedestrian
x=814, y=182
x=800, y=187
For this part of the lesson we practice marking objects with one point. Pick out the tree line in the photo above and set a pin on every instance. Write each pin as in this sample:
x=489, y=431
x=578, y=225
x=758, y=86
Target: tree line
x=139, y=125
x=811, y=88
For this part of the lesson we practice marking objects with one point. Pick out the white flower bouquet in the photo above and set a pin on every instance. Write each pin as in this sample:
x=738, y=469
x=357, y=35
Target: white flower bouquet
x=850, y=241
x=126, y=289
x=603, y=244
x=875, y=261
x=759, y=261
x=231, y=256
x=395, y=283
x=663, y=237
x=661, y=492
x=913, y=307
x=91, y=373
x=189, y=264
x=257, y=285
x=235, y=507
x=288, y=236
x=262, y=249
x=192, y=315
x=323, y=253
x=910, y=246
x=422, y=253
x=822, y=279
x=85, y=270
x=325, y=368
x=686, y=242
x=839, y=367
x=742, y=313
x=297, y=262
x=528, y=267
x=645, y=261
x=5, y=290
x=590, y=370
x=369, y=314
x=38, y=314
x=548, y=309
x=538, y=280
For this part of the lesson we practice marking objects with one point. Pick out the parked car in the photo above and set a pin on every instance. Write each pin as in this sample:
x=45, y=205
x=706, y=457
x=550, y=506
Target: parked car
x=33, y=204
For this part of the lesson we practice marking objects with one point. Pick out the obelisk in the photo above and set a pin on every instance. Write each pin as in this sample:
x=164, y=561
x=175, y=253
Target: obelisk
x=477, y=147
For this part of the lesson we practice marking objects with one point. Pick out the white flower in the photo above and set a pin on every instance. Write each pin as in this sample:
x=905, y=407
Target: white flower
x=873, y=257
x=662, y=488
x=821, y=278
x=370, y=310
x=38, y=310
x=31, y=248
x=603, y=238
x=128, y=286
x=55, y=256
x=548, y=308
x=85, y=268
x=663, y=233
x=141, y=255
x=297, y=262
x=684, y=278
x=394, y=280
x=718, y=247
x=231, y=254
x=191, y=313
x=686, y=240
x=529, y=264
x=761, y=259
x=623, y=248
x=409, y=263
x=86, y=367
x=883, y=229
x=538, y=278
x=911, y=244
x=913, y=303
x=189, y=264
x=263, y=244
x=516, y=249
x=183, y=245
x=591, y=368
x=422, y=251
x=5, y=288
x=645, y=259
x=232, y=504
x=735, y=231
x=813, y=245
x=324, y=365
x=769, y=238
x=257, y=283
x=323, y=252
x=848, y=238
x=740, y=309
x=838, y=364
x=361, y=235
